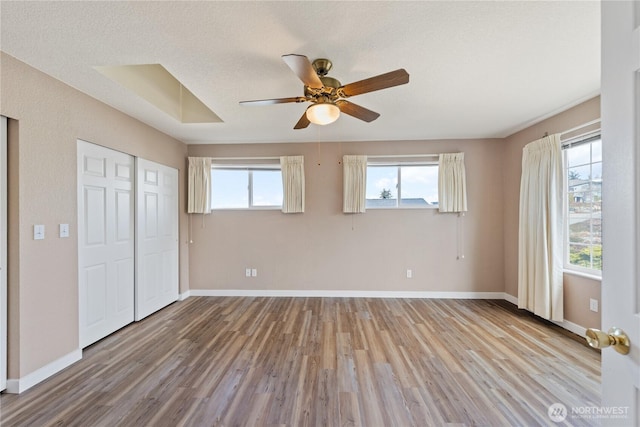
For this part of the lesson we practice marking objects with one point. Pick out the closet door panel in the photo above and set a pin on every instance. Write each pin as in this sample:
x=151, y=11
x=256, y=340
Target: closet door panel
x=106, y=246
x=157, y=237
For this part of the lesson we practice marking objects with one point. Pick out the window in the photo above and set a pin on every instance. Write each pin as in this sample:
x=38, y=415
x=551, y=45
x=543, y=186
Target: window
x=583, y=207
x=244, y=187
x=402, y=185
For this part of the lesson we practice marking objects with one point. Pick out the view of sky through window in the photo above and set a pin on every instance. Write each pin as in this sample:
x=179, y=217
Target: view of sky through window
x=418, y=185
x=267, y=188
x=245, y=187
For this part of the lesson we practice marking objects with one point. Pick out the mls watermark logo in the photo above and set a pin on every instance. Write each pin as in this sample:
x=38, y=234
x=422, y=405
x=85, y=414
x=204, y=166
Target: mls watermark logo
x=557, y=412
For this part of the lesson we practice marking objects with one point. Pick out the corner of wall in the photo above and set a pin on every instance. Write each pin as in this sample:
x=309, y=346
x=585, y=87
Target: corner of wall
x=17, y=386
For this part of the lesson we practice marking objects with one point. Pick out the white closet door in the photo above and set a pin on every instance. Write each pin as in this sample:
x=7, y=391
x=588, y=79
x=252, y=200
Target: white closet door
x=105, y=241
x=3, y=253
x=156, y=237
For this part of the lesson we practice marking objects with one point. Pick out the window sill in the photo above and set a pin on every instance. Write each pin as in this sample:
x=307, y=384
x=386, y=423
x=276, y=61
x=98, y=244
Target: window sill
x=582, y=274
x=402, y=208
x=261, y=208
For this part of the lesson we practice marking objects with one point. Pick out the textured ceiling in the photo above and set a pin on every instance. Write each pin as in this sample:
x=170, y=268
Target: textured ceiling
x=478, y=69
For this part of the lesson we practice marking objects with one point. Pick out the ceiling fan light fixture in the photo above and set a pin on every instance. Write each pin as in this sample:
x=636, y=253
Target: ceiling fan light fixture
x=323, y=113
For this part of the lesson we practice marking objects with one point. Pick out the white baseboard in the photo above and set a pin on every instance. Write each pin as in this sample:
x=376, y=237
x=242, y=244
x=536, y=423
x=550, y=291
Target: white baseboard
x=572, y=327
x=511, y=298
x=343, y=294
x=569, y=326
x=183, y=296
x=39, y=375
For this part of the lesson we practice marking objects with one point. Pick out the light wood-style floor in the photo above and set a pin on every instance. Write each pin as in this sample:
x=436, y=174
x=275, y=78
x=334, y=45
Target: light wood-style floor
x=320, y=361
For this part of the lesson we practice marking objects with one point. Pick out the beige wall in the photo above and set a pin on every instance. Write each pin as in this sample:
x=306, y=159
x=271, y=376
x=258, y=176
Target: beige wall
x=326, y=250
x=43, y=285
x=578, y=290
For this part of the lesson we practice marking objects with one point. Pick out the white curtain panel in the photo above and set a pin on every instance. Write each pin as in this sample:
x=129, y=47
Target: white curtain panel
x=452, y=183
x=540, y=243
x=292, y=183
x=199, y=185
x=354, y=183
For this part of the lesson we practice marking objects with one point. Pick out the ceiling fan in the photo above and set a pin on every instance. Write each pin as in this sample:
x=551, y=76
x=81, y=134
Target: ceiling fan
x=327, y=94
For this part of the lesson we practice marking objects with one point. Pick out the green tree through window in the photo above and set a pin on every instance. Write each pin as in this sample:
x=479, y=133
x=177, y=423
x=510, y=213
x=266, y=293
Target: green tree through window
x=386, y=194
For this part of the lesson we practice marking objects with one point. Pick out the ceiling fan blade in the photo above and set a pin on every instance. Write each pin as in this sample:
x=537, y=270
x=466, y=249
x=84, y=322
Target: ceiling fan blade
x=303, y=122
x=274, y=101
x=383, y=81
x=357, y=111
x=302, y=67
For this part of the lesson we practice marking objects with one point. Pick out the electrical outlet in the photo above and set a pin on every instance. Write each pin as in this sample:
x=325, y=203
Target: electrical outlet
x=409, y=274
x=64, y=230
x=254, y=272
x=593, y=305
x=247, y=272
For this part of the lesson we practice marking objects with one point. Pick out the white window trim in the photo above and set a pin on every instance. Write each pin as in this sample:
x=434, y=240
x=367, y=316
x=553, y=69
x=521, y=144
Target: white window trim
x=249, y=169
x=569, y=268
x=589, y=275
x=399, y=205
x=578, y=270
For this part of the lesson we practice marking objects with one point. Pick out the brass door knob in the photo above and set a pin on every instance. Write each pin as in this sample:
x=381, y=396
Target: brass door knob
x=615, y=338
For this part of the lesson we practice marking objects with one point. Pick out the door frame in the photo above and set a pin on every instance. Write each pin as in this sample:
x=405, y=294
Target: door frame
x=4, y=307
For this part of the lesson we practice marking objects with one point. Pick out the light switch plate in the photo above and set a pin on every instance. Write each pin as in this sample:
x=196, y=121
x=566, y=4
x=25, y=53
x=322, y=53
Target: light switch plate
x=38, y=232
x=64, y=230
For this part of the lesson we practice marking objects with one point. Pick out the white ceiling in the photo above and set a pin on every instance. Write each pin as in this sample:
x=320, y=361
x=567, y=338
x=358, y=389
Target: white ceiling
x=478, y=69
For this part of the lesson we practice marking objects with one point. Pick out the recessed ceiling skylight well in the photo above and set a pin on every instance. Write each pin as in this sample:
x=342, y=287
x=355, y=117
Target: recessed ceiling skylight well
x=158, y=86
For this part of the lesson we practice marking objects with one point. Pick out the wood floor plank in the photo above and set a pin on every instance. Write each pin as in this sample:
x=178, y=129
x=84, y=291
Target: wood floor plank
x=391, y=396
x=326, y=405
x=260, y=361
x=256, y=415
x=368, y=393
x=303, y=409
x=349, y=410
x=328, y=346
